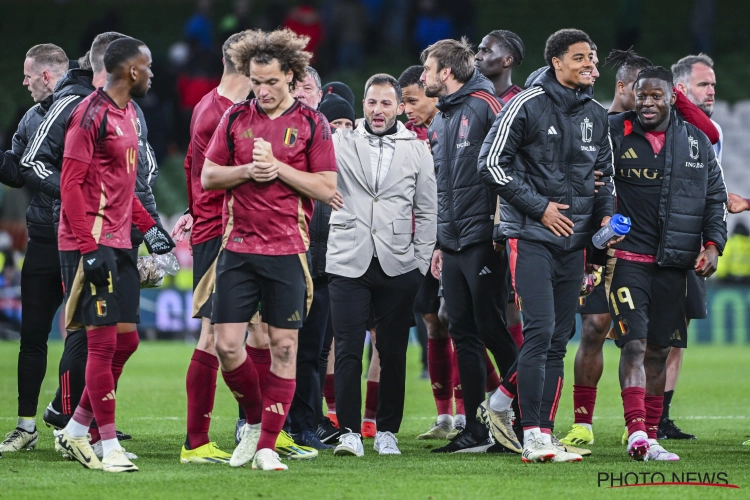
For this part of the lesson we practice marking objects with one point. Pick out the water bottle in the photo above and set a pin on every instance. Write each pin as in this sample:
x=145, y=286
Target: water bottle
x=618, y=225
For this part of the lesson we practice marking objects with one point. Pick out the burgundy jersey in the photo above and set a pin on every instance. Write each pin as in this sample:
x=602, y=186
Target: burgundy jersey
x=510, y=93
x=105, y=137
x=420, y=130
x=205, y=205
x=270, y=218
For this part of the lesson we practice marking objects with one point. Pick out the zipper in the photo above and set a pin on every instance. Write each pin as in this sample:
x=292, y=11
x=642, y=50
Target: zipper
x=568, y=194
x=380, y=162
x=665, y=227
x=450, y=182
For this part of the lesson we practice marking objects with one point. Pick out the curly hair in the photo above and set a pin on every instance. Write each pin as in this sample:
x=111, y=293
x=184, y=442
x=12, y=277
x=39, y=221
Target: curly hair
x=627, y=62
x=560, y=41
x=656, y=72
x=263, y=47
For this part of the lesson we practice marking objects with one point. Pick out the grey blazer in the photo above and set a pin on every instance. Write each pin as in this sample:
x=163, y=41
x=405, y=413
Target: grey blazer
x=381, y=222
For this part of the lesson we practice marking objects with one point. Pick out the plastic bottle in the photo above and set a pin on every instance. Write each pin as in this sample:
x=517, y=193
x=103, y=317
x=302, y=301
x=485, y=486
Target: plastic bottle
x=153, y=268
x=618, y=225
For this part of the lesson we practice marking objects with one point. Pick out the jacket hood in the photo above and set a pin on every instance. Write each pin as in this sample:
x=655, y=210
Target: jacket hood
x=75, y=82
x=565, y=98
x=402, y=133
x=476, y=83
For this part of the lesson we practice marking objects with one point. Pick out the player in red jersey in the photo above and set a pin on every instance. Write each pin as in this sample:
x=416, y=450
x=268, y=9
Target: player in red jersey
x=273, y=156
x=203, y=224
x=98, y=207
x=497, y=55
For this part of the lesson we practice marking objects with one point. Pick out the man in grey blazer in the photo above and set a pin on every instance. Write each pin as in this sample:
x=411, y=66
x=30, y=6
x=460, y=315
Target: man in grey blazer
x=379, y=247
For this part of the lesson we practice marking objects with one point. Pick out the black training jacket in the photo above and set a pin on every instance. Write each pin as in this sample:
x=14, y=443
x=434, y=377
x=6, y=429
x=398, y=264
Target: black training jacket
x=466, y=206
x=692, y=208
x=42, y=160
x=10, y=171
x=147, y=173
x=543, y=147
x=316, y=254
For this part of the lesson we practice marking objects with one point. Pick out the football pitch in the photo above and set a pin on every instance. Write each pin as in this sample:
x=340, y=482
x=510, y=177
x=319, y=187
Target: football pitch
x=712, y=401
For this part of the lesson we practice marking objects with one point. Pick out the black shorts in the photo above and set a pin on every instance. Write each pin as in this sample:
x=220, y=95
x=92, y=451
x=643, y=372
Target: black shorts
x=647, y=302
x=118, y=302
x=696, y=296
x=596, y=301
x=282, y=282
x=427, y=301
x=204, y=275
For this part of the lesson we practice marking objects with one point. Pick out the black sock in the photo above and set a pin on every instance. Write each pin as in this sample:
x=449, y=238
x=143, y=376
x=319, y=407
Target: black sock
x=242, y=412
x=667, y=403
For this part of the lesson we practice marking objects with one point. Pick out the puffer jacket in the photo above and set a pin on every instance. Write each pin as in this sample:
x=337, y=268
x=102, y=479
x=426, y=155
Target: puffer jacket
x=147, y=173
x=316, y=254
x=466, y=205
x=692, y=208
x=544, y=147
x=42, y=161
x=10, y=171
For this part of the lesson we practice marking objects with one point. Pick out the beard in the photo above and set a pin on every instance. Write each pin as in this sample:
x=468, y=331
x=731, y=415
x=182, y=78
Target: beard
x=706, y=108
x=435, y=90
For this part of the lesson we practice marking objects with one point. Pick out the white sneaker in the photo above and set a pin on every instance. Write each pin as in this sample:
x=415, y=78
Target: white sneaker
x=562, y=454
x=350, y=443
x=267, y=459
x=538, y=451
x=77, y=448
x=116, y=461
x=245, y=451
x=439, y=430
x=99, y=451
x=638, y=446
x=657, y=452
x=386, y=443
x=19, y=439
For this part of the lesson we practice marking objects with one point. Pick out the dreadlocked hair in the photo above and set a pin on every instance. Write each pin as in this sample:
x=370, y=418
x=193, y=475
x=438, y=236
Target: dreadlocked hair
x=262, y=47
x=627, y=62
x=510, y=42
x=656, y=72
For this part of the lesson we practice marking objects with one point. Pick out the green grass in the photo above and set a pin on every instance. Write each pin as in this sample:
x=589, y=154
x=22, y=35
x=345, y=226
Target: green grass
x=712, y=401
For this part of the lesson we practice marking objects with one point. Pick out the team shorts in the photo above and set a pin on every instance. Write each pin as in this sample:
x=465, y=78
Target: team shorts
x=89, y=305
x=204, y=275
x=427, y=300
x=243, y=280
x=696, y=296
x=646, y=302
x=596, y=301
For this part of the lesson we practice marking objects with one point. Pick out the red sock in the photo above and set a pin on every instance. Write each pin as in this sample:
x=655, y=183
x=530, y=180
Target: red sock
x=100, y=384
x=94, y=433
x=584, y=399
x=329, y=392
x=441, y=374
x=493, y=380
x=243, y=382
x=516, y=332
x=262, y=361
x=83, y=413
x=201, y=390
x=127, y=344
x=371, y=400
x=633, y=401
x=654, y=407
x=458, y=394
x=277, y=398
x=545, y=430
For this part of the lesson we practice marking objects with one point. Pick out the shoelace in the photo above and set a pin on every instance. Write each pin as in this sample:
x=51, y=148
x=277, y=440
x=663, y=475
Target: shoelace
x=15, y=433
x=388, y=442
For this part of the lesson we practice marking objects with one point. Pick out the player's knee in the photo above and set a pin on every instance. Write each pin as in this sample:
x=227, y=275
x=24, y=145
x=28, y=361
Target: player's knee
x=227, y=350
x=634, y=351
x=284, y=350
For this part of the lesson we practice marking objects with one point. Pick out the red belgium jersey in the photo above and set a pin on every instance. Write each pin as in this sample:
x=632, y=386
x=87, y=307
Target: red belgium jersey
x=205, y=205
x=270, y=218
x=103, y=137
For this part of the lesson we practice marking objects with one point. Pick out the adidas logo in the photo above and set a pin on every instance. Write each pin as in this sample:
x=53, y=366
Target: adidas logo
x=277, y=408
x=437, y=385
x=91, y=261
x=551, y=131
x=109, y=396
x=293, y=317
x=485, y=270
x=237, y=394
x=581, y=410
x=629, y=154
x=247, y=134
x=208, y=415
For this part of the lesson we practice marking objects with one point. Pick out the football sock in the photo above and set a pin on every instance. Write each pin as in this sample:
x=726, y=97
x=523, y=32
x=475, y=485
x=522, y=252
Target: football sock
x=329, y=393
x=261, y=359
x=530, y=434
x=516, y=333
x=459, y=420
x=667, y=404
x=441, y=373
x=100, y=384
x=127, y=344
x=201, y=390
x=458, y=394
x=243, y=382
x=78, y=425
x=27, y=424
x=110, y=445
x=546, y=435
x=493, y=380
x=634, y=404
x=371, y=400
x=501, y=400
x=447, y=418
x=584, y=399
x=277, y=398
x=653, y=414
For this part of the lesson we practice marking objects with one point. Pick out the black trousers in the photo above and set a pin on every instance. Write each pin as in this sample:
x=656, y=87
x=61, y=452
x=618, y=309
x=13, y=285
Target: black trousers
x=391, y=299
x=548, y=283
x=323, y=366
x=476, y=296
x=41, y=296
x=307, y=395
